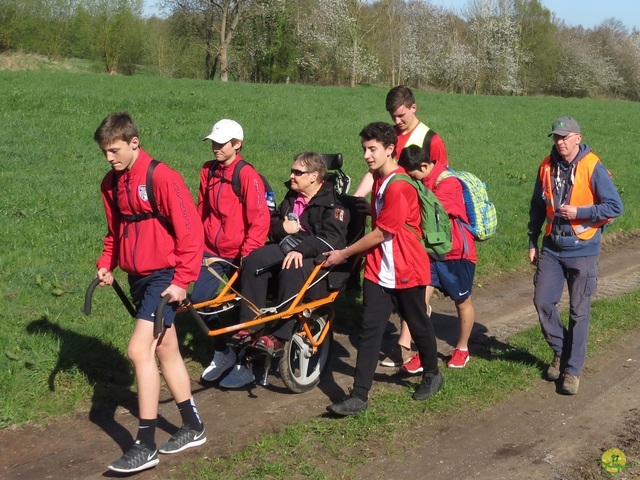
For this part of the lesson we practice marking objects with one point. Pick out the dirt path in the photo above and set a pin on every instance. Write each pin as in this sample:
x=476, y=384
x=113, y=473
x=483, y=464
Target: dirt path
x=537, y=434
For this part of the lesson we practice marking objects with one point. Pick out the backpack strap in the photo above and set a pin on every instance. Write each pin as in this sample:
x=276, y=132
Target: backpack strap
x=407, y=179
x=426, y=143
x=152, y=199
x=155, y=213
x=446, y=173
x=114, y=189
x=449, y=172
x=235, y=177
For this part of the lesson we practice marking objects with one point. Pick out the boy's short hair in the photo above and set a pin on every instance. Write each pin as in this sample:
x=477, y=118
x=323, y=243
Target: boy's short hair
x=380, y=131
x=412, y=158
x=398, y=96
x=313, y=161
x=117, y=126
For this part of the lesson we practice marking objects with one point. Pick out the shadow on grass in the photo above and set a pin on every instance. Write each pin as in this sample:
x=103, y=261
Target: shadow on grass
x=482, y=345
x=106, y=369
x=490, y=348
x=193, y=342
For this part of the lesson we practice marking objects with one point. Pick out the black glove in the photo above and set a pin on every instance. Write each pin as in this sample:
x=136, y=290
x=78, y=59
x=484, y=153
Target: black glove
x=362, y=205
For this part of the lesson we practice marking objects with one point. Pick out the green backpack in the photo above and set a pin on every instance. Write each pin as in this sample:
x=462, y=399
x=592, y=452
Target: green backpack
x=434, y=223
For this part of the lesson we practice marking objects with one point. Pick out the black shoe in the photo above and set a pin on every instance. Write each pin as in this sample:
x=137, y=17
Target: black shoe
x=184, y=438
x=139, y=457
x=349, y=406
x=429, y=386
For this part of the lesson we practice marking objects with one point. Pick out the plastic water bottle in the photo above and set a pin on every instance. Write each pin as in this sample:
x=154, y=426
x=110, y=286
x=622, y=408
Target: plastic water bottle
x=271, y=201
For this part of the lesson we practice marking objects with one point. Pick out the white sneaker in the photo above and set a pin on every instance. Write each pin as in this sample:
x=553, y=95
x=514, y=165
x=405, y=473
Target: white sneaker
x=221, y=362
x=240, y=376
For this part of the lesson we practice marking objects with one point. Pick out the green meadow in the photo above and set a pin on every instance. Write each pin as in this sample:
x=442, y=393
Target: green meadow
x=52, y=222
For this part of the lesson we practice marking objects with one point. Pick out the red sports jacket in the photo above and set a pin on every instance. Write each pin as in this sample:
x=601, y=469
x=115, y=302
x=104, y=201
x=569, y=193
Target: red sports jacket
x=139, y=248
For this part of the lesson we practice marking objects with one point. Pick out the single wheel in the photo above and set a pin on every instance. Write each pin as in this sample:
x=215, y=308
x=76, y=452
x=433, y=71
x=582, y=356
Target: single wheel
x=300, y=369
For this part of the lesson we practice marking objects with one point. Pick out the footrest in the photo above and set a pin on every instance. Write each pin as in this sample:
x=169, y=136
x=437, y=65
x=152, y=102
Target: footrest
x=244, y=337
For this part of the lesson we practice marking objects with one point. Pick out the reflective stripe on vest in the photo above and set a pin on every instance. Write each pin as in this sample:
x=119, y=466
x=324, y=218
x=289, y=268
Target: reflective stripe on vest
x=581, y=195
x=417, y=135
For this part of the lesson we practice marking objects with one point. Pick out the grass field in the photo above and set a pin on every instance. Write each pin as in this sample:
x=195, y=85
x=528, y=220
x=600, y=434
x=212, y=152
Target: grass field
x=52, y=223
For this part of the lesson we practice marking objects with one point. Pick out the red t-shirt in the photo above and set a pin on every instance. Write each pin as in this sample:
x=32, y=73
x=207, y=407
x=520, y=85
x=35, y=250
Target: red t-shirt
x=400, y=261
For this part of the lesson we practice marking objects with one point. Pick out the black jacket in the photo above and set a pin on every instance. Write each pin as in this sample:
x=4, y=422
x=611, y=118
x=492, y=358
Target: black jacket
x=325, y=222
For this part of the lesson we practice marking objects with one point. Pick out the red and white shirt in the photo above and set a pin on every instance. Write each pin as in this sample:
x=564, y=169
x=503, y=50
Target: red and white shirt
x=437, y=151
x=400, y=261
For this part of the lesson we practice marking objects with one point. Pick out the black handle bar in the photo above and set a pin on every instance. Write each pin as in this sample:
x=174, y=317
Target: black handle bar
x=159, y=317
x=87, y=296
x=116, y=286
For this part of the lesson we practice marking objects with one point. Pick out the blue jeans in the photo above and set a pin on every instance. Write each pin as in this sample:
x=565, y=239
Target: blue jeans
x=581, y=276
x=206, y=287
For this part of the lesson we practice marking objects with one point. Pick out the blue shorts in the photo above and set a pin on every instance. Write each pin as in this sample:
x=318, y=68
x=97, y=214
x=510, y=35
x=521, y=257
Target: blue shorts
x=145, y=293
x=454, y=278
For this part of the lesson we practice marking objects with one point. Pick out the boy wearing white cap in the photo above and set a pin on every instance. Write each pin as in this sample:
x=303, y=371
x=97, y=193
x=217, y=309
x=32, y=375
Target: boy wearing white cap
x=234, y=226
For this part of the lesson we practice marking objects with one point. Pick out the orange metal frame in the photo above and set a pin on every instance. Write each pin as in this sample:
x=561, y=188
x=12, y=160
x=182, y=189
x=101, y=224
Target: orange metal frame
x=297, y=307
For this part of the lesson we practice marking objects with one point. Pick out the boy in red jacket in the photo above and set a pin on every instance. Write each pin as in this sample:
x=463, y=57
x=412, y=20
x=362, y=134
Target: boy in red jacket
x=234, y=226
x=162, y=255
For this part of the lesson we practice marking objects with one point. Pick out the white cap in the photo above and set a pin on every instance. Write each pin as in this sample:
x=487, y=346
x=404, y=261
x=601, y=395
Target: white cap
x=225, y=130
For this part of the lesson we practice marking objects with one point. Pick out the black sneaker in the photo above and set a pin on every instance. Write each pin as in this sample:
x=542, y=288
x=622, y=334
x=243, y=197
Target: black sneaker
x=139, y=457
x=184, y=438
x=349, y=406
x=429, y=386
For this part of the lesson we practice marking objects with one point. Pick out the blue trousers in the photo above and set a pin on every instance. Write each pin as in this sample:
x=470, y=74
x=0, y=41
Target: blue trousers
x=581, y=276
x=206, y=288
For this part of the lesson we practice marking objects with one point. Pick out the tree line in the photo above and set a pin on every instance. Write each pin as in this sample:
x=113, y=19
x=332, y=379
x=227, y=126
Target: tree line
x=503, y=47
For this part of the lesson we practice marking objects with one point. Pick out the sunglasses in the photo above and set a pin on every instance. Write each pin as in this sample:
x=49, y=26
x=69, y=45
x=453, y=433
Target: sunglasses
x=296, y=173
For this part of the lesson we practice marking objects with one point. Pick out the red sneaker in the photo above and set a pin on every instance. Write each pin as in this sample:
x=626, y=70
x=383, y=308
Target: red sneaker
x=413, y=365
x=246, y=335
x=459, y=358
x=269, y=344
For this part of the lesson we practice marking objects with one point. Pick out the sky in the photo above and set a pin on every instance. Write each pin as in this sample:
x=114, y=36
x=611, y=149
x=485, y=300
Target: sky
x=588, y=13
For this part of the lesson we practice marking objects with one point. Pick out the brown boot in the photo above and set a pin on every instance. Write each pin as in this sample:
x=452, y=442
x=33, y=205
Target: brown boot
x=553, y=371
x=570, y=384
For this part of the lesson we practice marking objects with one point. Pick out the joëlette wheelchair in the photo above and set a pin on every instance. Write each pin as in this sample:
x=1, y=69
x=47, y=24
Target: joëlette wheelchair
x=305, y=357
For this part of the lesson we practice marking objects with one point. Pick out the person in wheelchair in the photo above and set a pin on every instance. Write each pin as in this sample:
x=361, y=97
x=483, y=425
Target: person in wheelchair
x=311, y=219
